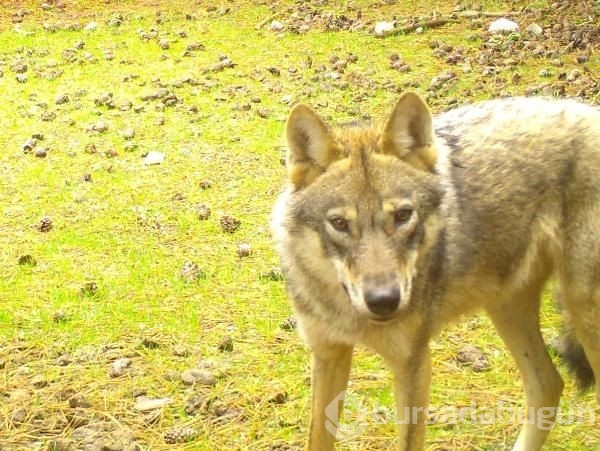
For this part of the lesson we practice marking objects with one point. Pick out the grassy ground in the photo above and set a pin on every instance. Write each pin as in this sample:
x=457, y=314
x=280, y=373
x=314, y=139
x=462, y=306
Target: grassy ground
x=104, y=258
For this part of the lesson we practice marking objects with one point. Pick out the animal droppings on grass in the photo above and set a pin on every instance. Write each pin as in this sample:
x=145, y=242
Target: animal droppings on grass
x=274, y=275
x=46, y=224
x=89, y=289
x=191, y=272
x=471, y=356
x=226, y=344
x=290, y=323
x=79, y=401
x=27, y=260
x=229, y=224
x=196, y=376
x=205, y=184
x=196, y=404
x=60, y=317
x=279, y=397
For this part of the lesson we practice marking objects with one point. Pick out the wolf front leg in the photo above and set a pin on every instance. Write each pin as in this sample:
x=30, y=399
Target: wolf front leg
x=330, y=372
x=518, y=324
x=412, y=377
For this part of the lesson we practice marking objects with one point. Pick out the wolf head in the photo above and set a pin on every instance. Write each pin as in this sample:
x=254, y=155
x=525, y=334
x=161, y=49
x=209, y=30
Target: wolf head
x=364, y=200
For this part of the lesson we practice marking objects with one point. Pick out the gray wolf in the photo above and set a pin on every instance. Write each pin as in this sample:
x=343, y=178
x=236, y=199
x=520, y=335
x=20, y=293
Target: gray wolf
x=388, y=231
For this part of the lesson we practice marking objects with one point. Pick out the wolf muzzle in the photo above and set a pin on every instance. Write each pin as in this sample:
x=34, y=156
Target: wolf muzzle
x=382, y=299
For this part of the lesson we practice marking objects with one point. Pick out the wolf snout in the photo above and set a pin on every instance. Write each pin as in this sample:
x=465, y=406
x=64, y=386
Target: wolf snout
x=383, y=300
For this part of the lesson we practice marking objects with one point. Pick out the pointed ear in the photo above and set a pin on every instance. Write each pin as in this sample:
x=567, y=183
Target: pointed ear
x=408, y=133
x=310, y=146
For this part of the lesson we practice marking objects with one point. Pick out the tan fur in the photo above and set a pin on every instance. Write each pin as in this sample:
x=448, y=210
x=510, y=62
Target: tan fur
x=389, y=231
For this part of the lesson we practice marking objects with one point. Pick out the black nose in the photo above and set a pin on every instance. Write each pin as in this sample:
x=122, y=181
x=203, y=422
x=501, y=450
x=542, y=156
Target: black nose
x=383, y=300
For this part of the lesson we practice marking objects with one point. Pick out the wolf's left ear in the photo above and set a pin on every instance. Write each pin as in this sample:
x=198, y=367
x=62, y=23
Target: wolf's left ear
x=408, y=133
x=310, y=147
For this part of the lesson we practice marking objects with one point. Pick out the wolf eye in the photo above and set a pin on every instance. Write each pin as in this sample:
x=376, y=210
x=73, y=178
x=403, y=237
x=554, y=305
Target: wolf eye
x=402, y=216
x=338, y=223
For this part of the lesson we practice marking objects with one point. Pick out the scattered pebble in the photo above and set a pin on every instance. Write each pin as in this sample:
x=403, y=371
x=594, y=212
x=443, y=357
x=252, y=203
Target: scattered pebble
x=198, y=376
x=382, y=28
x=229, y=224
x=154, y=158
x=244, y=250
x=143, y=404
x=503, y=25
x=119, y=367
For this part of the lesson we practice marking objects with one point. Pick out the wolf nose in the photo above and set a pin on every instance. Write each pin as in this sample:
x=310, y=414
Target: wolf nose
x=383, y=300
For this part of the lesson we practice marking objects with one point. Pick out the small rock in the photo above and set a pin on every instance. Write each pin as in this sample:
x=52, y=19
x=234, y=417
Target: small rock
x=244, y=250
x=61, y=444
x=78, y=401
x=225, y=345
x=119, y=367
x=503, y=25
x=39, y=381
x=61, y=99
x=21, y=78
x=19, y=68
x=41, y=153
x=48, y=116
x=198, y=376
x=63, y=360
x=29, y=144
x=582, y=59
x=534, y=29
x=128, y=133
x=181, y=351
x=154, y=158
x=164, y=44
x=90, y=26
x=279, y=397
x=276, y=25
x=195, y=403
x=382, y=28
x=194, y=46
x=99, y=126
x=203, y=212
x=143, y=404
x=190, y=272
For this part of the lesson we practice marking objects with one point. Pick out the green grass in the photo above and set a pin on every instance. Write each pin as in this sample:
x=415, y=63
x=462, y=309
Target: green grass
x=124, y=231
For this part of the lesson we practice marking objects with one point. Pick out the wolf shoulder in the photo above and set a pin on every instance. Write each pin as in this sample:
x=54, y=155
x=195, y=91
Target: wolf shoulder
x=518, y=119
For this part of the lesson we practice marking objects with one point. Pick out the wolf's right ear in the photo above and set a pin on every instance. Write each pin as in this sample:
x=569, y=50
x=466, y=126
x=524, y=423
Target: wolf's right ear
x=310, y=147
x=408, y=132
